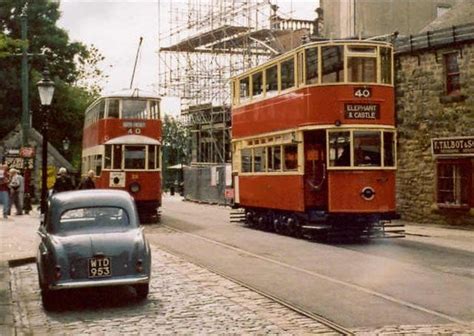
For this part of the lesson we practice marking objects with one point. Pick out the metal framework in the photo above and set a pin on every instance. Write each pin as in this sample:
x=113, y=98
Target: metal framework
x=210, y=41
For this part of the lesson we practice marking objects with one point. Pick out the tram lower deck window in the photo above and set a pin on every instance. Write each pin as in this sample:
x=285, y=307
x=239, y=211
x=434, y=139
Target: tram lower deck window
x=134, y=157
x=362, y=148
x=246, y=159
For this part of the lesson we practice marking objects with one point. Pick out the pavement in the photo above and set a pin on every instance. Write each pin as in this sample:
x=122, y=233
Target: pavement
x=19, y=241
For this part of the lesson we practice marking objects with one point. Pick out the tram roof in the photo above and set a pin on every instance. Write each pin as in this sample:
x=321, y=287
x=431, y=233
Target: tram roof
x=133, y=140
x=131, y=93
x=311, y=44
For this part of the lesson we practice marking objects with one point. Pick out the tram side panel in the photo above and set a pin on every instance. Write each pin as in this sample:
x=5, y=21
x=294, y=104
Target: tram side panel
x=272, y=192
x=310, y=106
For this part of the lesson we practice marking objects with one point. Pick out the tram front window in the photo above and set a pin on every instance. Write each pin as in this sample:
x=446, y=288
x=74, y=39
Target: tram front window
x=367, y=146
x=134, y=157
x=362, y=70
x=340, y=149
x=134, y=109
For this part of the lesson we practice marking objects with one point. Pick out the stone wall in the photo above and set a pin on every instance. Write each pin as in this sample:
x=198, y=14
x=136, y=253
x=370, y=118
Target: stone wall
x=423, y=113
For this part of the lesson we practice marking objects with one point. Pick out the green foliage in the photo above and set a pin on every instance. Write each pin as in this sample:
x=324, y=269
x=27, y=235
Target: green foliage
x=51, y=47
x=9, y=46
x=176, y=144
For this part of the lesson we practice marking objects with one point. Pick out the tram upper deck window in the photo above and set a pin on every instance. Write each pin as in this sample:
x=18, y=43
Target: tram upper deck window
x=287, y=74
x=244, y=89
x=311, y=65
x=134, y=157
x=101, y=109
x=340, y=149
x=386, y=65
x=362, y=69
x=155, y=109
x=367, y=147
x=332, y=64
x=257, y=84
x=134, y=109
x=114, y=108
x=271, y=76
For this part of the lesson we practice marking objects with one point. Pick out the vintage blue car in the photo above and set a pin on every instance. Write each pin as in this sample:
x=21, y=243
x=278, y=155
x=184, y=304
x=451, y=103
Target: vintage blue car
x=91, y=238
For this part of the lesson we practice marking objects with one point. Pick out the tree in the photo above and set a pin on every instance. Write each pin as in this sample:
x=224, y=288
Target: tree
x=50, y=46
x=176, y=145
x=8, y=46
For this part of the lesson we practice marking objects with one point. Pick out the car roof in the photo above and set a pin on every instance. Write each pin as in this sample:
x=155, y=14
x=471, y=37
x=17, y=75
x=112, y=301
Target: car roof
x=63, y=201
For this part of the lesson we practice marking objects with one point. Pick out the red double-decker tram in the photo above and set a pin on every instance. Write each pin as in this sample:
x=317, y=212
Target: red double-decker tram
x=314, y=140
x=122, y=144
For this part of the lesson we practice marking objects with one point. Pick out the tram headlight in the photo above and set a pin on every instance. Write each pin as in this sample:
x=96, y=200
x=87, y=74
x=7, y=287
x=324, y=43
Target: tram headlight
x=368, y=193
x=135, y=187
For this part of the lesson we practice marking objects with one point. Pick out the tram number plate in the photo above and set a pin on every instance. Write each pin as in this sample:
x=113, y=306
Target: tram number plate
x=361, y=92
x=99, y=267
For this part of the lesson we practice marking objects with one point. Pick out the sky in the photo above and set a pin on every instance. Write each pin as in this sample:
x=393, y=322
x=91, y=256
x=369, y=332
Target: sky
x=115, y=28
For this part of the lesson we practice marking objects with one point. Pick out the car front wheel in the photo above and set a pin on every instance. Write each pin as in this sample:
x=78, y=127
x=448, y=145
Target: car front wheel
x=142, y=291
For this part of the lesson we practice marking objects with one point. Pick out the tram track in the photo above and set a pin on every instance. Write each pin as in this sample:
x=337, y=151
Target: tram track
x=334, y=326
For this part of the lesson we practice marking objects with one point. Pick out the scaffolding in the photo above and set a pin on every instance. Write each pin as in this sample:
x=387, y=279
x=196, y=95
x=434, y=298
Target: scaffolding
x=210, y=41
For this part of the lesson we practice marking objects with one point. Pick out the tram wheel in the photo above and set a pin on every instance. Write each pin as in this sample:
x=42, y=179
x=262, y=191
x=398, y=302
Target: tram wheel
x=294, y=227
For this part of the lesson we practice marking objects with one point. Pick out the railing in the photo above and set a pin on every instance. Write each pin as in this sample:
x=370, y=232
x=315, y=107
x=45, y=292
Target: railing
x=435, y=39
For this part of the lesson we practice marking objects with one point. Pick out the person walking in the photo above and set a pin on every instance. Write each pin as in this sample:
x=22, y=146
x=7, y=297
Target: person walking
x=14, y=186
x=88, y=181
x=4, y=196
x=63, y=181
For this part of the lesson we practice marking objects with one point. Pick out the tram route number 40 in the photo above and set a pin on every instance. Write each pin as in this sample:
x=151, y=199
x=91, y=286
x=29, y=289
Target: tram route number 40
x=362, y=92
x=134, y=131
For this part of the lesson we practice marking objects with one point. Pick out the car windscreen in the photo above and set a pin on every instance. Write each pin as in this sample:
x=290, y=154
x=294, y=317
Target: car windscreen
x=106, y=219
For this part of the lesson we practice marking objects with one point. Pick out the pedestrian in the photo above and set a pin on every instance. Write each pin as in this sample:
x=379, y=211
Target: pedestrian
x=4, y=197
x=88, y=181
x=14, y=186
x=63, y=181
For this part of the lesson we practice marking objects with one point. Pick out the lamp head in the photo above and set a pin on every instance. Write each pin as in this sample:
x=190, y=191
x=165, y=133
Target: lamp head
x=45, y=89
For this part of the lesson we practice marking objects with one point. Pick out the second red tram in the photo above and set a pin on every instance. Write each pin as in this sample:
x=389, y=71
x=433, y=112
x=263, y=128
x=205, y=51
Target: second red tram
x=314, y=139
x=122, y=144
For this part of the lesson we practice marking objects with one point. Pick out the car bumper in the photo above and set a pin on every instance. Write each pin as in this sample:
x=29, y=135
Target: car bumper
x=100, y=283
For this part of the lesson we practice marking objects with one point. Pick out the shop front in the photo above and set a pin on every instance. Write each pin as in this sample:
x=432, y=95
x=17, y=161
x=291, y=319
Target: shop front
x=454, y=157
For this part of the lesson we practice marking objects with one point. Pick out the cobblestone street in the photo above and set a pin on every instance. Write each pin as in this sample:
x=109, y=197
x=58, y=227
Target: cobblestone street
x=184, y=299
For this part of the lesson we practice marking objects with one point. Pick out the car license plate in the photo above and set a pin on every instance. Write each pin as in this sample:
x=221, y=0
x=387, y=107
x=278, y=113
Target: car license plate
x=99, y=267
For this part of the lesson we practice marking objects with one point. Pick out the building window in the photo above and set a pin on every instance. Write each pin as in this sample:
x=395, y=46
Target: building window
x=454, y=185
x=441, y=10
x=453, y=86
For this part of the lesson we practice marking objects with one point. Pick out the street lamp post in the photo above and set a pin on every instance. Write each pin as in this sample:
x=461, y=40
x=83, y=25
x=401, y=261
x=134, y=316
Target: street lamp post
x=46, y=91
